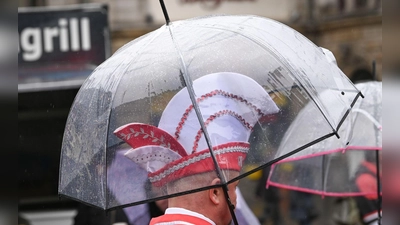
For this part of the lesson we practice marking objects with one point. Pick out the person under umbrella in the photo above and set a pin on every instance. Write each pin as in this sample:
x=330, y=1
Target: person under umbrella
x=122, y=168
x=177, y=165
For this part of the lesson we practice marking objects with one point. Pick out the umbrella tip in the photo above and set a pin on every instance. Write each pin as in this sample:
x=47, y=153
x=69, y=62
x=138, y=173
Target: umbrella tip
x=336, y=133
x=164, y=9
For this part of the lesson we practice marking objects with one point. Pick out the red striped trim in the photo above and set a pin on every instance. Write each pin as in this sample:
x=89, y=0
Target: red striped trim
x=208, y=95
x=213, y=117
x=230, y=156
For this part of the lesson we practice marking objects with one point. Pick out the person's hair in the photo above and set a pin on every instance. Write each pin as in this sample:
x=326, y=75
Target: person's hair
x=197, y=181
x=153, y=192
x=190, y=182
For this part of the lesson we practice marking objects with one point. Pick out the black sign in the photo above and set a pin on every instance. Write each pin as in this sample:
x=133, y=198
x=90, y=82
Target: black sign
x=61, y=43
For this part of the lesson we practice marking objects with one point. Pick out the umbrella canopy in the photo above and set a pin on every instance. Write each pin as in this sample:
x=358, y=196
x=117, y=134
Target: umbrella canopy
x=185, y=99
x=330, y=167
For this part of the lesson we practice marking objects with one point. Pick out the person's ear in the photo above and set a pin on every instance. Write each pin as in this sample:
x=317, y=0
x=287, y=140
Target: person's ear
x=215, y=193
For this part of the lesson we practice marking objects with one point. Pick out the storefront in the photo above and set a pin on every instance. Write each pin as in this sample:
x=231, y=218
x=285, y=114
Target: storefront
x=58, y=50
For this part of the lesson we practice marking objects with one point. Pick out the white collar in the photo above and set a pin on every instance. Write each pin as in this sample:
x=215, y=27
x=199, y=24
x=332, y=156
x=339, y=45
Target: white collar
x=176, y=210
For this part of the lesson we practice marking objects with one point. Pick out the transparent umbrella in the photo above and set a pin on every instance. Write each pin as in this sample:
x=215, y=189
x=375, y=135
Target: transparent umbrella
x=328, y=167
x=337, y=167
x=185, y=98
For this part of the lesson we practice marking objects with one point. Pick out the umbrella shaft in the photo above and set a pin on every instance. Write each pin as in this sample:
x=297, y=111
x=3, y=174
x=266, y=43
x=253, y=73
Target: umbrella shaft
x=164, y=9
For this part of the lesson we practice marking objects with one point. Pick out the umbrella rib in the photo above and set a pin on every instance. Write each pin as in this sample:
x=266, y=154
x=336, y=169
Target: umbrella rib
x=189, y=86
x=348, y=111
x=281, y=157
x=60, y=195
x=144, y=201
x=166, y=196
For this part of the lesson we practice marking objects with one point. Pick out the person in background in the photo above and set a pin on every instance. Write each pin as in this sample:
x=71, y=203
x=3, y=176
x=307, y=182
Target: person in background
x=302, y=207
x=366, y=182
x=271, y=198
x=243, y=213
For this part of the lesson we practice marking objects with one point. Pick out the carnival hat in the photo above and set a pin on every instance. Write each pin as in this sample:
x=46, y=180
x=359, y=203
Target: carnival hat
x=230, y=104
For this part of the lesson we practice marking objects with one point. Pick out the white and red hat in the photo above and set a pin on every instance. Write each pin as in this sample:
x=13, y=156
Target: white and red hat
x=230, y=105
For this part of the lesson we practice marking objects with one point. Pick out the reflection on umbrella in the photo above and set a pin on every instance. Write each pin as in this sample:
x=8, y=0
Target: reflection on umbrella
x=339, y=167
x=192, y=91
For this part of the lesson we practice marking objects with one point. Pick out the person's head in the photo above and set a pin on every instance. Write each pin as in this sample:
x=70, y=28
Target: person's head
x=212, y=202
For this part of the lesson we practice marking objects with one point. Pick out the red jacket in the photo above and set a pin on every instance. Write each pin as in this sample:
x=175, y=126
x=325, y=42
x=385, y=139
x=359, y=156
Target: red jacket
x=182, y=217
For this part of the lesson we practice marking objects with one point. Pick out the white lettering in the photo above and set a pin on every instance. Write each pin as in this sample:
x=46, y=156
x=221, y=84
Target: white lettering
x=31, y=43
x=74, y=32
x=64, y=45
x=70, y=35
x=49, y=33
x=85, y=31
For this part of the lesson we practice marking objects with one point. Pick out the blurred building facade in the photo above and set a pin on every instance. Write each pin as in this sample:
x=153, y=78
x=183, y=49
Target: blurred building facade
x=351, y=29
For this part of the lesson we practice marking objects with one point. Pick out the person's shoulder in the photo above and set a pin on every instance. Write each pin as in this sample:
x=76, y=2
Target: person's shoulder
x=178, y=219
